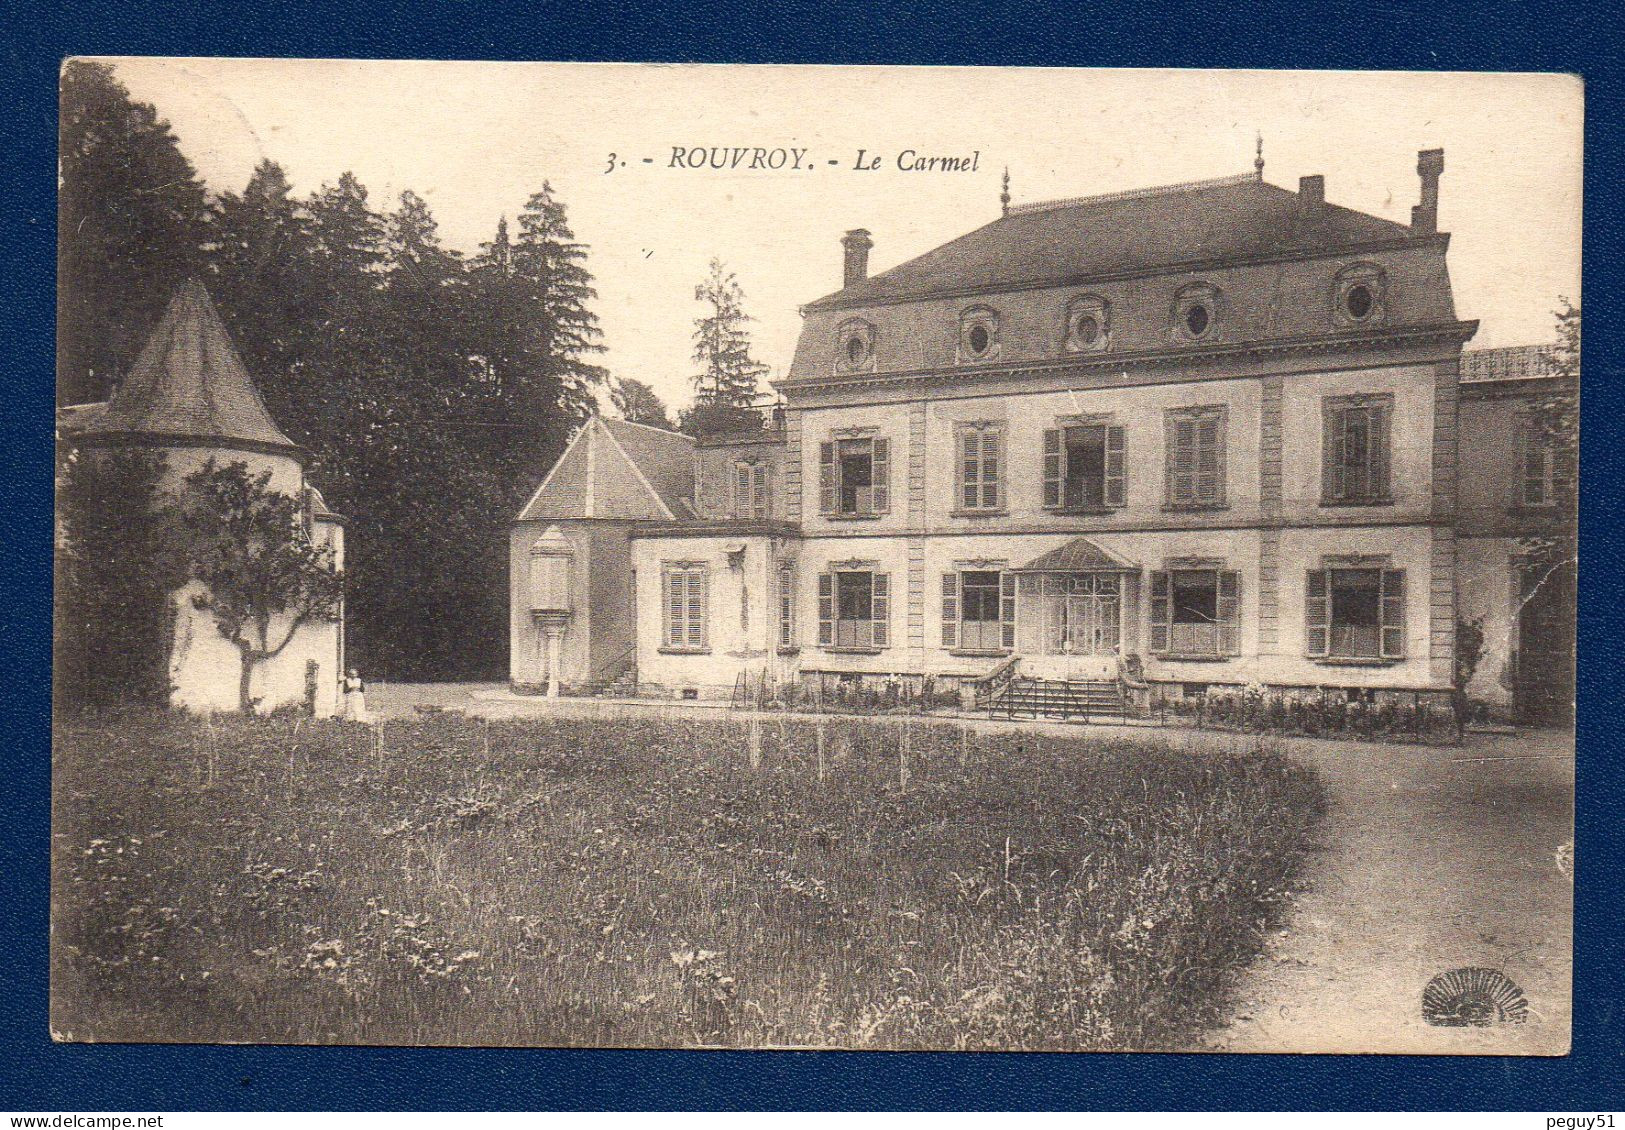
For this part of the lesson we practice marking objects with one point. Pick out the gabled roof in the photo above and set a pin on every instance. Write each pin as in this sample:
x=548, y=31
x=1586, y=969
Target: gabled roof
x=189, y=384
x=616, y=469
x=1144, y=231
x=1080, y=555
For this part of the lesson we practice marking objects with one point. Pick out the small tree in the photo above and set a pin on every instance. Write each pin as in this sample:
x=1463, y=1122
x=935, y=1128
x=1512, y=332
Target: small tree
x=726, y=385
x=638, y=404
x=1555, y=421
x=248, y=546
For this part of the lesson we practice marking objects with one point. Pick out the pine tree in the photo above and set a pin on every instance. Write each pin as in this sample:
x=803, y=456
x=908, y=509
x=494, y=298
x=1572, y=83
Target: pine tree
x=726, y=385
x=548, y=258
x=131, y=220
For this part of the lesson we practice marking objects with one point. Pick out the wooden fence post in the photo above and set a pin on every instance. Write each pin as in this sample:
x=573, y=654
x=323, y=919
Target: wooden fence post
x=821, y=737
x=753, y=739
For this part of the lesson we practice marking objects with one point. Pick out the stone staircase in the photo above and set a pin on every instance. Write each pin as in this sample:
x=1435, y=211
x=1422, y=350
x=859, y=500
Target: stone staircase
x=1053, y=698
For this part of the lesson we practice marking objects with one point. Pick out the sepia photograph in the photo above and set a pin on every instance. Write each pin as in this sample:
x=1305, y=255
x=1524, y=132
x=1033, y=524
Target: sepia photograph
x=634, y=555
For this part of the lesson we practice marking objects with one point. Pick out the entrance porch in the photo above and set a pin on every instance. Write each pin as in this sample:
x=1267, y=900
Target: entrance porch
x=1077, y=612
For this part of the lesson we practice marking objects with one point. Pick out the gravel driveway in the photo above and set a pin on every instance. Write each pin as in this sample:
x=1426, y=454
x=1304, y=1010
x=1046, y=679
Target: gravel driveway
x=1433, y=860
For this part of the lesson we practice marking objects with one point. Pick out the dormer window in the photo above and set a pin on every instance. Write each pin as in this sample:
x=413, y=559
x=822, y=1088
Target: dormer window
x=855, y=347
x=1358, y=295
x=978, y=335
x=1197, y=314
x=1086, y=324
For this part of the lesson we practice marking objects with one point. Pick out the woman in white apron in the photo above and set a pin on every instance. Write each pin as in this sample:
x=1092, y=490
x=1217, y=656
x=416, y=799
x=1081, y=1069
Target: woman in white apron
x=355, y=698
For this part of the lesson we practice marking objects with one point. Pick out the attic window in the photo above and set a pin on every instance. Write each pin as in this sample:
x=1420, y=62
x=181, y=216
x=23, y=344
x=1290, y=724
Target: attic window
x=854, y=350
x=1197, y=320
x=978, y=335
x=1087, y=324
x=1358, y=295
x=979, y=339
x=1197, y=313
x=854, y=346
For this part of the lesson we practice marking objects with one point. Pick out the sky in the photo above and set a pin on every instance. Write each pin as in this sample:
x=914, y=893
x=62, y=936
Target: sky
x=476, y=139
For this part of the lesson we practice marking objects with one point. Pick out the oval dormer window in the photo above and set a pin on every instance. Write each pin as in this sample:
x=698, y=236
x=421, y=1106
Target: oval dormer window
x=1087, y=324
x=1359, y=302
x=855, y=346
x=978, y=335
x=1359, y=295
x=1197, y=311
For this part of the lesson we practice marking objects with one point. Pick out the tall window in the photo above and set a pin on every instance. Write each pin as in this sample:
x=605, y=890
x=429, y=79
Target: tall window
x=854, y=477
x=980, y=447
x=854, y=609
x=1085, y=467
x=1196, y=457
x=1355, y=613
x=979, y=610
x=1356, y=449
x=684, y=599
x=750, y=498
x=1196, y=613
x=786, y=578
x=1547, y=468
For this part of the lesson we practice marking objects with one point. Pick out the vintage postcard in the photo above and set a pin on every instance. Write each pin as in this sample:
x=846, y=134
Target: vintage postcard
x=819, y=557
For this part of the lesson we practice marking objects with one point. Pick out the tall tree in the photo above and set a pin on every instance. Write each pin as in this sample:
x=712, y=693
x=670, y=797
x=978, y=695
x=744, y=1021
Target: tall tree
x=131, y=219
x=727, y=384
x=638, y=403
x=548, y=258
x=262, y=279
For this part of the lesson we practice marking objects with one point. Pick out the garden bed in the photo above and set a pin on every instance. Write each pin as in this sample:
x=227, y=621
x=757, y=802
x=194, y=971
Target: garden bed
x=659, y=883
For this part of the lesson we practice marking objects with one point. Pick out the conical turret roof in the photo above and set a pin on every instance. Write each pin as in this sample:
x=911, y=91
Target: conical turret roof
x=189, y=385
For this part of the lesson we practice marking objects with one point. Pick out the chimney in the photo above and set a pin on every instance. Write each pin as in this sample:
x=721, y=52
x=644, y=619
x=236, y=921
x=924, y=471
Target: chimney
x=856, y=267
x=1425, y=216
x=1311, y=196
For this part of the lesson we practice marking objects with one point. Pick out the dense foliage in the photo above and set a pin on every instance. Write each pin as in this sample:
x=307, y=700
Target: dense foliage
x=431, y=390
x=116, y=566
x=661, y=882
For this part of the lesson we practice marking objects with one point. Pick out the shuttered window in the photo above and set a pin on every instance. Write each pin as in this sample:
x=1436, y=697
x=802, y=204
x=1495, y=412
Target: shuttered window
x=684, y=599
x=979, y=467
x=1085, y=467
x=854, y=477
x=787, y=604
x=750, y=491
x=1195, y=472
x=979, y=610
x=854, y=609
x=1356, y=449
x=1196, y=612
x=1355, y=613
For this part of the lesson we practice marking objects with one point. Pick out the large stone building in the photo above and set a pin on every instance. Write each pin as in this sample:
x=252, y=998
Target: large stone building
x=1202, y=434
x=189, y=399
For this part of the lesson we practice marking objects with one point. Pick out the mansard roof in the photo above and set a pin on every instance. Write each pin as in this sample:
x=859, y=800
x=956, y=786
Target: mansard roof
x=617, y=469
x=1146, y=231
x=190, y=386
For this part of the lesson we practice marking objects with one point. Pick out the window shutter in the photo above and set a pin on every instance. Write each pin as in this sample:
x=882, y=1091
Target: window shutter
x=1393, y=613
x=990, y=469
x=741, y=499
x=950, y=609
x=671, y=607
x=880, y=608
x=1116, y=467
x=970, y=468
x=826, y=609
x=1162, y=612
x=1379, y=451
x=1182, y=463
x=787, y=605
x=1229, y=613
x=697, y=608
x=758, y=486
x=826, y=478
x=1332, y=484
x=1007, y=609
x=1207, y=460
x=880, y=472
x=1054, y=469
x=1317, y=613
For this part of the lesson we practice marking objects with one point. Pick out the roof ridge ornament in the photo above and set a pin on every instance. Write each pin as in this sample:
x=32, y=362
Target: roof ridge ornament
x=1258, y=161
x=1004, y=196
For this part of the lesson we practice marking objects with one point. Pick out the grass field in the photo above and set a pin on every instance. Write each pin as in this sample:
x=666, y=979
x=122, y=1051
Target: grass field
x=643, y=883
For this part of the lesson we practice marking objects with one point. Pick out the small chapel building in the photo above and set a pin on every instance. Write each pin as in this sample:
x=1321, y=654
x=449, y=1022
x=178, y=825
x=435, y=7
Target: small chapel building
x=190, y=399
